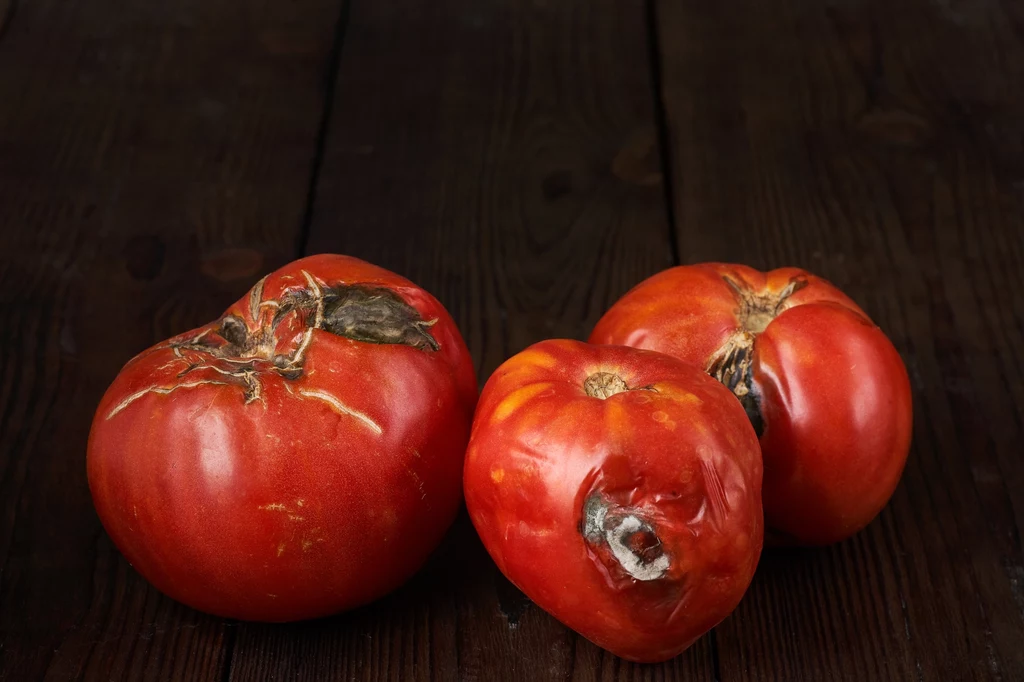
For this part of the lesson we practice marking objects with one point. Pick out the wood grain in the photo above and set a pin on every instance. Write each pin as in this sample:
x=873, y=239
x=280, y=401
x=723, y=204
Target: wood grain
x=504, y=156
x=7, y=9
x=154, y=159
x=879, y=146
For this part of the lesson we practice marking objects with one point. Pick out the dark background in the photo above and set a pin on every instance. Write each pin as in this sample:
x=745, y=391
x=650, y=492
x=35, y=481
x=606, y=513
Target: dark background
x=527, y=161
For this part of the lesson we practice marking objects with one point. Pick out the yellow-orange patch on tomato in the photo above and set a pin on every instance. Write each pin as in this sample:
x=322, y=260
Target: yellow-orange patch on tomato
x=699, y=427
x=616, y=419
x=680, y=395
x=515, y=400
x=537, y=358
x=497, y=475
x=532, y=425
x=564, y=344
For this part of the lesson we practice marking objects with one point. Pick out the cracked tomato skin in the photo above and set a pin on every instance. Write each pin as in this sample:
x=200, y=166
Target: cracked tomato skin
x=300, y=456
x=830, y=391
x=620, y=490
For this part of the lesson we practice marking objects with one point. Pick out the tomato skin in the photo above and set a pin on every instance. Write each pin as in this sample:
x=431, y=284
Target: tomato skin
x=550, y=470
x=831, y=389
x=287, y=492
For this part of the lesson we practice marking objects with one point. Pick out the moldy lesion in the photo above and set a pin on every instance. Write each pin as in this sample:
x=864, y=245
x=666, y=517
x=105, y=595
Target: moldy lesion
x=355, y=311
x=362, y=313
x=624, y=537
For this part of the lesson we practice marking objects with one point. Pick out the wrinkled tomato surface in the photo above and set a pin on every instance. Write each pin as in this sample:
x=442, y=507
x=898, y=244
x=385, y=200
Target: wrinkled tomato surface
x=620, y=490
x=299, y=456
x=823, y=385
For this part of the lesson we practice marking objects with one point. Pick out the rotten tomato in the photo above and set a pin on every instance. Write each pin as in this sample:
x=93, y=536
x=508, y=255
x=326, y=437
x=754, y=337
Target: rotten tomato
x=822, y=384
x=299, y=456
x=620, y=489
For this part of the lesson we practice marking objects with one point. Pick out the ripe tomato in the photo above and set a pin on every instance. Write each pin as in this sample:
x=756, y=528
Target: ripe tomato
x=299, y=456
x=620, y=490
x=824, y=387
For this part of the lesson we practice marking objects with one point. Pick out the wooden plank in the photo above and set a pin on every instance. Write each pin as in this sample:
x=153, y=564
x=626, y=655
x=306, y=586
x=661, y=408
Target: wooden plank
x=154, y=160
x=880, y=146
x=7, y=8
x=502, y=154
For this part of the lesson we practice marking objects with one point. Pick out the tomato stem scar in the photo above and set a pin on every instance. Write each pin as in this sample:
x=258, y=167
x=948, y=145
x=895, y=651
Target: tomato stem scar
x=604, y=385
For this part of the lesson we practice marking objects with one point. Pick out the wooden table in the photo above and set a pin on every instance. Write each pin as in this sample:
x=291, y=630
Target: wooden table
x=527, y=161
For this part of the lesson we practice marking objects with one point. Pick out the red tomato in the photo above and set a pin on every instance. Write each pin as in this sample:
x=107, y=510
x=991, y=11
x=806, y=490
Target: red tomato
x=823, y=385
x=300, y=456
x=620, y=490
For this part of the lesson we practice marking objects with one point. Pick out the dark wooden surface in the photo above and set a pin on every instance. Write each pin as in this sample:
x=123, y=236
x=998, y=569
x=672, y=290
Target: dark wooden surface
x=527, y=161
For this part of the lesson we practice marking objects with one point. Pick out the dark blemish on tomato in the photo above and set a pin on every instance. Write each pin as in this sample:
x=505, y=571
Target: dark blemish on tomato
x=361, y=313
x=233, y=330
x=733, y=363
x=376, y=315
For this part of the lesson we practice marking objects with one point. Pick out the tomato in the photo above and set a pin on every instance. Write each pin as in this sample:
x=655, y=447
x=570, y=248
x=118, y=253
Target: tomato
x=822, y=384
x=299, y=456
x=620, y=490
